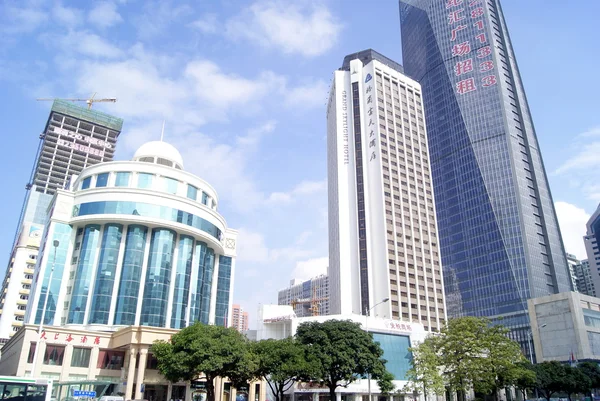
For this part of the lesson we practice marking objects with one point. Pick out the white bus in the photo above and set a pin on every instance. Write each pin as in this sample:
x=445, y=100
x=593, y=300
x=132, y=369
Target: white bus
x=25, y=389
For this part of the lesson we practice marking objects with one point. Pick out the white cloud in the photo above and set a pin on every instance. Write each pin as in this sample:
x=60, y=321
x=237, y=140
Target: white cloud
x=104, y=15
x=158, y=16
x=307, y=269
x=206, y=24
x=251, y=247
x=306, y=29
x=22, y=19
x=306, y=96
x=79, y=43
x=304, y=188
x=572, y=221
x=67, y=16
x=582, y=167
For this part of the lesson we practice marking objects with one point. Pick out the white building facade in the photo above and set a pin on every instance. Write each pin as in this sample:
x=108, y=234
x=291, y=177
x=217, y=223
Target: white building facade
x=135, y=243
x=592, y=241
x=382, y=225
x=394, y=337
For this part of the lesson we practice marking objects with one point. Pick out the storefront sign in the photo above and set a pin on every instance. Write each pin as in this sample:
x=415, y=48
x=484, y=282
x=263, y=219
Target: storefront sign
x=278, y=319
x=69, y=338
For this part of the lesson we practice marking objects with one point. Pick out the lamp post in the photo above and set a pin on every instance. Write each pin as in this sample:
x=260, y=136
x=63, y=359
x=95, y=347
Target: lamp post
x=529, y=338
x=367, y=330
x=55, y=243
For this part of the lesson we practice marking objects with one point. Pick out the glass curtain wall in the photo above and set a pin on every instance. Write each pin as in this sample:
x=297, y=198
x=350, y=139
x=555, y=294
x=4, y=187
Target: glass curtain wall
x=182, y=282
x=62, y=233
x=131, y=272
x=206, y=266
x=223, y=289
x=158, y=277
x=83, y=274
x=105, y=274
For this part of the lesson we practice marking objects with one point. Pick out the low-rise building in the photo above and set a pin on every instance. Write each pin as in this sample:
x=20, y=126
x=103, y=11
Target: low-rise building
x=565, y=327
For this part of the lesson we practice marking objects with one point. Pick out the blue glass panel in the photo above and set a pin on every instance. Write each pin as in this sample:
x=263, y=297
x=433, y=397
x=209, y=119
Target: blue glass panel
x=149, y=210
x=170, y=185
x=192, y=192
x=206, y=266
x=145, y=180
x=83, y=274
x=122, y=179
x=396, y=353
x=204, y=198
x=102, y=180
x=223, y=291
x=85, y=183
x=131, y=271
x=182, y=282
x=62, y=233
x=105, y=274
x=158, y=278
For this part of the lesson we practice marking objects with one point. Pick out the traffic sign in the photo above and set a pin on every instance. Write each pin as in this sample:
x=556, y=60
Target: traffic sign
x=79, y=393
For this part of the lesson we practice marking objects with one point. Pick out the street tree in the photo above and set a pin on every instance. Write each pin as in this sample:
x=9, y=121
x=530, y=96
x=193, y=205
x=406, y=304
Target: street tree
x=280, y=363
x=592, y=371
x=527, y=379
x=575, y=381
x=550, y=378
x=424, y=375
x=340, y=352
x=205, y=352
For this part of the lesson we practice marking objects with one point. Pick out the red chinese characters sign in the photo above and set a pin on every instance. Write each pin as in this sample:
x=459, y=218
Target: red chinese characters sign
x=398, y=326
x=471, y=55
x=70, y=338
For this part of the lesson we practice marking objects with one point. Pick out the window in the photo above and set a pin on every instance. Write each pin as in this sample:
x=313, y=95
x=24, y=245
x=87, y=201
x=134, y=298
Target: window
x=192, y=192
x=122, y=179
x=31, y=354
x=170, y=185
x=54, y=355
x=108, y=359
x=85, y=184
x=204, y=198
x=81, y=357
x=101, y=180
x=144, y=180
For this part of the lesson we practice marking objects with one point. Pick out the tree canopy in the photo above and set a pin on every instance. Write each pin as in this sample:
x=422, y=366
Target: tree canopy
x=205, y=351
x=280, y=363
x=340, y=352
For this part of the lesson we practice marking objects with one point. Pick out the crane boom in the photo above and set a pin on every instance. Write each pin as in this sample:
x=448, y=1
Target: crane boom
x=89, y=101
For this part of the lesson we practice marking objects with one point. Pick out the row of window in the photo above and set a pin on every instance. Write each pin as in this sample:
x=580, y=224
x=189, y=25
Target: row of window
x=148, y=181
x=80, y=358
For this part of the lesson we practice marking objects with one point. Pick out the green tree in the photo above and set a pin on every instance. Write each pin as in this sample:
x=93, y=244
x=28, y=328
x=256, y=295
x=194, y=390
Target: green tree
x=575, y=381
x=592, y=371
x=550, y=378
x=527, y=379
x=280, y=363
x=424, y=375
x=205, y=351
x=340, y=352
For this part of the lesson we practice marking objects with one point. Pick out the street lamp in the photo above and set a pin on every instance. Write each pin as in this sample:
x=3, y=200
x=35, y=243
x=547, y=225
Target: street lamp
x=367, y=330
x=55, y=243
x=529, y=337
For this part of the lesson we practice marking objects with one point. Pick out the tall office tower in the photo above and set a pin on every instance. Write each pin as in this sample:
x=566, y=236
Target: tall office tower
x=585, y=284
x=572, y=263
x=499, y=235
x=591, y=240
x=308, y=298
x=383, y=246
x=74, y=138
x=239, y=318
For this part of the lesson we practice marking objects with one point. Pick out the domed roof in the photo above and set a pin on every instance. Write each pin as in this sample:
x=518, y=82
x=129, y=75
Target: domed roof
x=161, y=150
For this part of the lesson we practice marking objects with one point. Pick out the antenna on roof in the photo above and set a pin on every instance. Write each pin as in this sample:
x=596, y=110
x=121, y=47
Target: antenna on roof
x=162, y=133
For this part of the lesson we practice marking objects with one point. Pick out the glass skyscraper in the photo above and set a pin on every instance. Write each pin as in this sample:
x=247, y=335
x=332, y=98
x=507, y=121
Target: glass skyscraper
x=499, y=235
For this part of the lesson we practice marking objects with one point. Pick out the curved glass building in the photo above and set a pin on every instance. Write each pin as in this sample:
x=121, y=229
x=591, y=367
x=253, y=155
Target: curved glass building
x=135, y=243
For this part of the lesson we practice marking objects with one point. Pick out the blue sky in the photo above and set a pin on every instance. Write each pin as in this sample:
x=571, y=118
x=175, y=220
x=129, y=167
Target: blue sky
x=242, y=86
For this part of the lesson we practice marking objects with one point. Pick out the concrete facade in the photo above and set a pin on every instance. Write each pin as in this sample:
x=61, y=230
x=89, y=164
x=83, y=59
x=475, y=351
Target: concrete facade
x=305, y=294
x=565, y=326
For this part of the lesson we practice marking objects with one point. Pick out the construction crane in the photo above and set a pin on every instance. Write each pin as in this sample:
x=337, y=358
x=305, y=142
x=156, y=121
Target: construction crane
x=314, y=302
x=89, y=101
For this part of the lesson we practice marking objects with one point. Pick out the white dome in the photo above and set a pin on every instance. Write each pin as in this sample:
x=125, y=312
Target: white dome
x=161, y=150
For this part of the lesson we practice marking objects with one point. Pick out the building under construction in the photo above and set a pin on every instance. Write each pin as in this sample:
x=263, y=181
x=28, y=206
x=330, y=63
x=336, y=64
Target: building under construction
x=308, y=298
x=74, y=138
